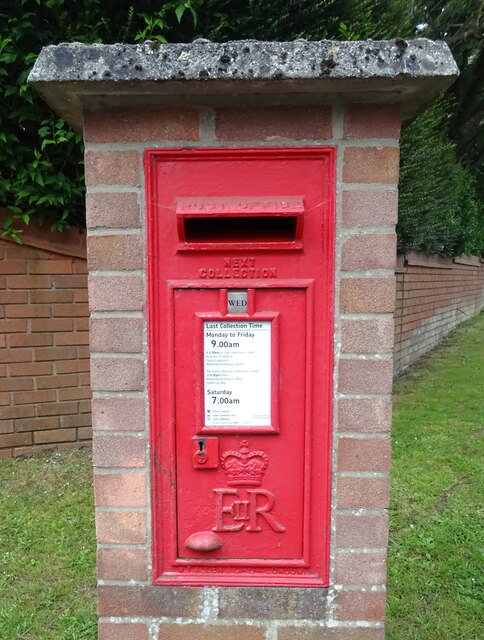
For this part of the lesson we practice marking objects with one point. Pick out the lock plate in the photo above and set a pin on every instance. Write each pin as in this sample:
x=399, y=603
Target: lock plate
x=205, y=452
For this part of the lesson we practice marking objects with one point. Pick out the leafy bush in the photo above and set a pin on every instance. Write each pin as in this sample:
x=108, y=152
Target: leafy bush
x=41, y=172
x=438, y=211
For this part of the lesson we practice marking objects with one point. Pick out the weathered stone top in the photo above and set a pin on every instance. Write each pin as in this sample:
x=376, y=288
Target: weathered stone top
x=412, y=72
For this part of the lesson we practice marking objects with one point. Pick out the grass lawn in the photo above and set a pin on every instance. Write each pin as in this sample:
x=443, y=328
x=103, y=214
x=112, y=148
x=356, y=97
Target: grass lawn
x=47, y=548
x=436, y=540
x=435, y=567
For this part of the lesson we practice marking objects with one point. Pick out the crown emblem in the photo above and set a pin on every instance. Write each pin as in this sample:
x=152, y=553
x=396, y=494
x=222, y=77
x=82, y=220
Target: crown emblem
x=244, y=468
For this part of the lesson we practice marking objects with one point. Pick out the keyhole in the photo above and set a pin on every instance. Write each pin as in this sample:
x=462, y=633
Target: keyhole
x=201, y=445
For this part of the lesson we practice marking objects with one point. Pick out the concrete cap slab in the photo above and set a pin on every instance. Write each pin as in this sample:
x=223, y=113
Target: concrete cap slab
x=73, y=76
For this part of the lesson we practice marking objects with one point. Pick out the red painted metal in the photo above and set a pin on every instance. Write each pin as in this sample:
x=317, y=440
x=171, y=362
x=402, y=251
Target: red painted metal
x=251, y=389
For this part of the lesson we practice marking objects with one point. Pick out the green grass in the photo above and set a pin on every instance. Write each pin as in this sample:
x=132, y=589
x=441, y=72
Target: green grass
x=436, y=539
x=435, y=567
x=47, y=548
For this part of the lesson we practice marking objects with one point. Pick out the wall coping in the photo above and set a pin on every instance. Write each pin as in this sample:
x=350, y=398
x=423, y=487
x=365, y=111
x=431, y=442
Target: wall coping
x=71, y=242
x=73, y=76
x=415, y=259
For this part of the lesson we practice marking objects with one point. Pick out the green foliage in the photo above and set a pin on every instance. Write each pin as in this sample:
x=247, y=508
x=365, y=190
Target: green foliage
x=41, y=172
x=41, y=169
x=438, y=211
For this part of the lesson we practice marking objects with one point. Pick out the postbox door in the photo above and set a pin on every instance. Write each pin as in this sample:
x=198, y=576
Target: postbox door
x=242, y=428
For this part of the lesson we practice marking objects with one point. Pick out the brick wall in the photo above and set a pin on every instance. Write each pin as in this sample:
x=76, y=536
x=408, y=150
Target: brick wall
x=353, y=607
x=44, y=356
x=433, y=296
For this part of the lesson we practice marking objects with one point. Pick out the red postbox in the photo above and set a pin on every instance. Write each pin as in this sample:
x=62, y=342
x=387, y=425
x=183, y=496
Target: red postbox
x=240, y=268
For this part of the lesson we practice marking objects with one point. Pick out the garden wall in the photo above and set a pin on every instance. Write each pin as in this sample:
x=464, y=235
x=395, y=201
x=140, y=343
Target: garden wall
x=44, y=354
x=44, y=365
x=433, y=296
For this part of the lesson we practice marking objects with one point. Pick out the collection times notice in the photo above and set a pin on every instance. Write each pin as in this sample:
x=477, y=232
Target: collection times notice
x=237, y=373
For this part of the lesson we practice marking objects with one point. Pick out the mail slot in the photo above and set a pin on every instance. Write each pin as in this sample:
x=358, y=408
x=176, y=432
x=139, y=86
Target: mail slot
x=240, y=277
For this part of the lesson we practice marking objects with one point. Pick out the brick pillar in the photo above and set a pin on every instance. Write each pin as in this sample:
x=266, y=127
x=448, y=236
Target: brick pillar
x=365, y=135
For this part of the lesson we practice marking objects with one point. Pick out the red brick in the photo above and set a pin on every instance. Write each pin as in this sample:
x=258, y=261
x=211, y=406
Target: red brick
x=117, y=374
x=15, y=355
x=119, y=451
x=118, y=210
x=83, y=351
x=112, y=167
x=84, y=433
x=72, y=366
x=13, y=297
x=28, y=311
x=76, y=281
x=370, y=208
x=29, y=282
x=57, y=408
x=57, y=435
x=80, y=266
x=30, y=340
x=22, y=411
x=367, y=295
x=361, y=531
x=57, y=381
x=76, y=393
x=16, y=384
x=134, y=600
x=6, y=426
x=15, y=439
x=51, y=325
x=121, y=527
x=122, y=335
x=14, y=251
x=367, y=336
x=116, y=293
x=365, y=376
x=80, y=295
x=273, y=123
x=5, y=454
x=70, y=310
x=118, y=414
x=363, y=493
x=74, y=338
x=85, y=406
x=36, y=424
x=371, y=454
x=33, y=397
x=364, y=414
x=322, y=633
x=13, y=326
x=170, y=631
x=147, y=124
x=81, y=324
x=371, y=165
x=121, y=563
x=122, y=631
x=371, y=121
x=115, y=252
x=369, y=251
x=54, y=353
x=76, y=421
x=50, y=266
x=360, y=605
x=13, y=266
x=120, y=489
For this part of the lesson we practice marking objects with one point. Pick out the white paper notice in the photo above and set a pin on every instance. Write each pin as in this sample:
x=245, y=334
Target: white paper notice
x=237, y=373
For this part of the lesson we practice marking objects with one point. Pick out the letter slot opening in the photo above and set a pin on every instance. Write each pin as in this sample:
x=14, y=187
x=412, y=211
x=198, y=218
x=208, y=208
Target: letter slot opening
x=220, y=223
x=238, y=229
